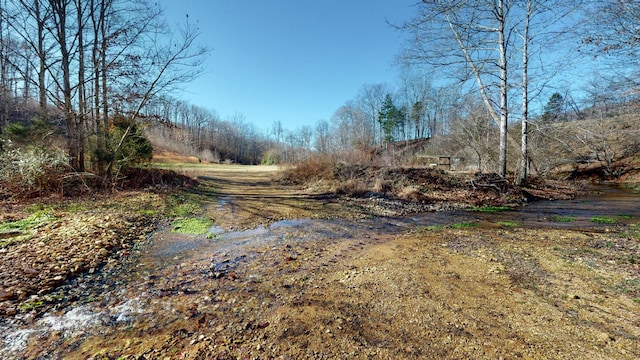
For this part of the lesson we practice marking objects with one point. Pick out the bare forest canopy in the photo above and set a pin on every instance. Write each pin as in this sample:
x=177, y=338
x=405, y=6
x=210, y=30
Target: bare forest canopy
x=92, y=67
x=91, y=82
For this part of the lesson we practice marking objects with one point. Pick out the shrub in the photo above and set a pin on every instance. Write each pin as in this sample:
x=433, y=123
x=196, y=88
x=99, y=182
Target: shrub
x=313, y=168
x=269, y=157
x=352, y=187
x=381, y=185
x=136, y=148
x=410, y=192
x=32, y=169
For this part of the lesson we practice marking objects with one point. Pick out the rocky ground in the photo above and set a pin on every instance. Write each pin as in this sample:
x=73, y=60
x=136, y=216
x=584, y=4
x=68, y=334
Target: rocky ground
x=60, y=247
x=88, y=281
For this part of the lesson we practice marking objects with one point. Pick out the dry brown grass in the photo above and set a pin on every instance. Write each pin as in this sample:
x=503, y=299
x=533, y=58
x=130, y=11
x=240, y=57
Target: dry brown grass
x=411, y=192
x=358, y=179
x=171, y=158
x=352, y=187
x=314, y=168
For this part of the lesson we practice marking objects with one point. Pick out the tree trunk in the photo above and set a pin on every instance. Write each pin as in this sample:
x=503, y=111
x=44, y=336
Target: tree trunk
x=524, y=155
x=504, y=87
x=98, y=166
x=59, y=8
x=82, y=95
x=42, y=58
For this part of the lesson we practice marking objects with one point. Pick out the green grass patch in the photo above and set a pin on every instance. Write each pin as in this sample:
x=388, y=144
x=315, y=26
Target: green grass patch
x=15, y=231
x=463, y=225
x=148, y=212
x=634, y=230
x=192, y=226
x=490, y=209
x=599, y=219
x=33, y=221
x=192, y=202
x=31, y=305
x=629, y=286
x=430, y=228
x=558, y=218
x=187, y=209
x=184, y=205
x=509, y=223
x=38, y=208
x=625, y=216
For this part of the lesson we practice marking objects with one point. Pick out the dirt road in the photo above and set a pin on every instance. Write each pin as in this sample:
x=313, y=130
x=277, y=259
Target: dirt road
x=341, y=284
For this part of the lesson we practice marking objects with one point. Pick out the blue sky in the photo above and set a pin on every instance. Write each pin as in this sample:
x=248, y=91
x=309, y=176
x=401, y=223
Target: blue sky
x=294, y=61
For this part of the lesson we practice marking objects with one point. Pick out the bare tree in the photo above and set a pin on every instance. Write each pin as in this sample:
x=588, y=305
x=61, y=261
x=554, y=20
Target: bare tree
x=350, y=128
x=615, y=29
x=473, y=36
x=472, y=132
x=169, y=64
x=62, y=32
x=417, y=94
x=321, y=142
x=27, y=13
x=5, y=87
x=304, y=134
x=541, y=25
x=277, y=130
x=524, y=131
x=370, y=98
x=476, y=40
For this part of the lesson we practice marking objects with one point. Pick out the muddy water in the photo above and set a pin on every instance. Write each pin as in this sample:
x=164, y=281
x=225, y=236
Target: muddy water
x=145, y=293
x=619, y=204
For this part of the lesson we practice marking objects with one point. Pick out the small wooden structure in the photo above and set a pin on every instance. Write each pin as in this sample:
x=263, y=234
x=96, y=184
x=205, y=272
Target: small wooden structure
x=436, y=161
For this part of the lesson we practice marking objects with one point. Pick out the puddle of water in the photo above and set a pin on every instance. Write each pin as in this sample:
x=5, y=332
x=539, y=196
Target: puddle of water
x=222, y=202
x=216, y=230
x=251, y=234
x=618, y=203
x=168, y=245
x=290, y=223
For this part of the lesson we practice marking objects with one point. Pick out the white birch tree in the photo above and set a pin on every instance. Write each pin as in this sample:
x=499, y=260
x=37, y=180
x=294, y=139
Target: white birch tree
x=473, y=36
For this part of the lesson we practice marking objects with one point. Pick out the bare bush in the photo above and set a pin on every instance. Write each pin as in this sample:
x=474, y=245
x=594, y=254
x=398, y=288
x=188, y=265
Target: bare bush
x=381, y=185
x=596, y=143
x=313, y=168
x=410, y=192
x=352, y=187
x=31, y=169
